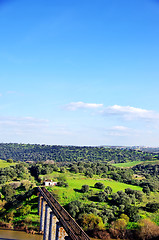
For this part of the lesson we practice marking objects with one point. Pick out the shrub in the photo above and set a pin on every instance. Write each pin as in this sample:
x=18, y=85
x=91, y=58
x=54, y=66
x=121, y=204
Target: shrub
x=91, y=222
x=152, y=206
x=25, y=210
x=99, y=185
x=119, y=224
x=8, y=192
x=148, y=229
x=84, y=188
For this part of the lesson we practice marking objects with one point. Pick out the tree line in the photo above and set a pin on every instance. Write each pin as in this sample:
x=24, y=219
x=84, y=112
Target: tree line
x=37, y=152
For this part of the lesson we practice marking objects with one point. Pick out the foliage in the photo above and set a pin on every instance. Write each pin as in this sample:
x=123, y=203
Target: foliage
x=91, y=222
x=36, y=152
x=84, y=188
x=147, y=229
x=119, y=224
x=8, y=192
x=16, y=172
x=99, y=185
x=25, y=210
x=74, y=208
x=152, y=206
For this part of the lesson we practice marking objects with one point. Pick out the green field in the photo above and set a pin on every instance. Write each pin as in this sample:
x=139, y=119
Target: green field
x=75, y=182
x=127, y=164
x=4, y=164
x=134, y=163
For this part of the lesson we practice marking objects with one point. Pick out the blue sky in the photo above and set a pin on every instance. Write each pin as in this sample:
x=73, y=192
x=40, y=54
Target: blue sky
x=82, y=72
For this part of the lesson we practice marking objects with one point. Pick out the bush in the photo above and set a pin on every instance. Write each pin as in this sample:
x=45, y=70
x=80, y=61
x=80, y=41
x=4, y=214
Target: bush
x=91, y=222
x=102, y=196
x=108, y=190
x=25, y=210
x=84, y=188
x=62, y=184
x=8, y=192
x=10, y=160
x=99, y=185
x=152, y=207
x=148, y=229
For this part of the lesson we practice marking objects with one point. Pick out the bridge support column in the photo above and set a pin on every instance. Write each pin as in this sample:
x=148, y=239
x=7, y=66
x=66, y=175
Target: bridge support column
x=60, y=232
x=52, y=227
x=39, y=204
x=42, y=215
x=47, y=222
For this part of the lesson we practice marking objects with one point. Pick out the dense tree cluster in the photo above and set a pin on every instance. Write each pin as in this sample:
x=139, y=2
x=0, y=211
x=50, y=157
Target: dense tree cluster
x=36, y=152
x=13, y=173
x=116, y=204
x=147, y=169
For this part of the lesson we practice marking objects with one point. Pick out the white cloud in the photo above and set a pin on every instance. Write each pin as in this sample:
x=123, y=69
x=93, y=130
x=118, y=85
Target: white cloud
x=118, y=131
x=120, y=128
x=81, y=105
x=23, y=122
x=130, y=113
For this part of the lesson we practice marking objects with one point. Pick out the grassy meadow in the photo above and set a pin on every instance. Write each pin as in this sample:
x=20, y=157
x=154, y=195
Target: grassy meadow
x=4, y=164
x=134, y=163
x=127, y=164
x=75, y=182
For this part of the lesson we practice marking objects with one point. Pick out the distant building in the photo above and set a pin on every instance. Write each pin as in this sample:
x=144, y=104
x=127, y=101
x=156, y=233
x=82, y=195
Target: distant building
x=49, y=182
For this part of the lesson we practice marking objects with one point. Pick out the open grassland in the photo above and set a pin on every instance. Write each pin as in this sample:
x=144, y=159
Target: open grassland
x=4, y=164
x=127, y=164
x=134, y=163
x=75, y=182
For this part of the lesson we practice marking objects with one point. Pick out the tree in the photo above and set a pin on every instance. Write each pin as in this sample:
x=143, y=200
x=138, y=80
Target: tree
x=25, y=210
x=84, y=188
x=152, y=206
x=146, y=190
x=8, y=192
x=10, y=160
x=125, y=217
x=132, y=213
x=91, y=222
x=108, y=190
x=74, y=208
x=148, y=229
x=102, y=196
x=99, y=185
x=119, y=224
x=89, y=174
x=62, y=169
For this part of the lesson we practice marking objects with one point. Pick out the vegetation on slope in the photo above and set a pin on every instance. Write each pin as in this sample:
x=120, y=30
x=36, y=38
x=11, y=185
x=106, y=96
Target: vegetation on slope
x=96, y=193
x=36, y=152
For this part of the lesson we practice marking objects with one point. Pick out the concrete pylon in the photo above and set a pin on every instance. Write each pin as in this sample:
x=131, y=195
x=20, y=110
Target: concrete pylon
x=39, y=204
x=52, y=227
x=42, y=215
x=61, y=234
x=46, y=222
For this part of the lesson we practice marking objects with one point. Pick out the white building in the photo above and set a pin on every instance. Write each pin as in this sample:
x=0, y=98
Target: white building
x=48, y=182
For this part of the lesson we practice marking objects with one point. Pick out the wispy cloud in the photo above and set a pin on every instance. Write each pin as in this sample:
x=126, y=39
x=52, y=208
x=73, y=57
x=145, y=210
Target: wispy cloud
x=130, y=113
x=11, y=92
x=118, y=131
x=23, y=122
x=81, y=105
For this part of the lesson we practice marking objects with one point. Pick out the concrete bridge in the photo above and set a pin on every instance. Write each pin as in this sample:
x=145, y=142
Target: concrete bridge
x=55, y=221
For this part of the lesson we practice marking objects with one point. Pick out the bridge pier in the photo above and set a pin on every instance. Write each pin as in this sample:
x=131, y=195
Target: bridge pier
x=39, y=204
x=42, y=215
x=60, y=232
x=46, y=222
x=52, y=227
